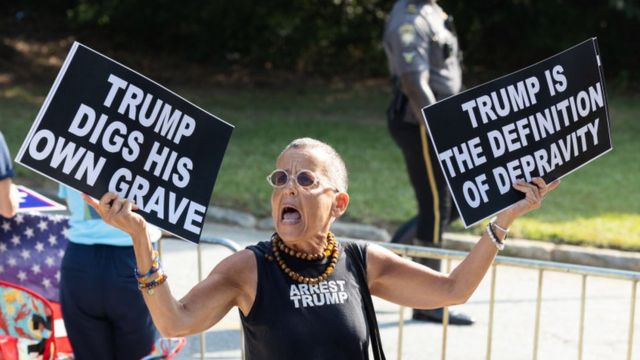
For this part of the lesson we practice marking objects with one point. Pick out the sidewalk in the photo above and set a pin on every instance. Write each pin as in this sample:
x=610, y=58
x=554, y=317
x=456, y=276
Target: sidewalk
x=606, y=322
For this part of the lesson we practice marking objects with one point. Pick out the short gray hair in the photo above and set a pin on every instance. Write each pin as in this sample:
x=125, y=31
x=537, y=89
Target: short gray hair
x=335, y=169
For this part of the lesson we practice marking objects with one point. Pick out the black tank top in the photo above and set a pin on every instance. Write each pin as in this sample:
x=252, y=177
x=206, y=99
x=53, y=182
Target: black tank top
x=289, y=320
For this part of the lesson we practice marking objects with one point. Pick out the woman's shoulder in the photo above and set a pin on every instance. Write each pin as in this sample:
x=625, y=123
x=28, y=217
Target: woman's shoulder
x=356, y=250
x=354, y=245
x=262, y=248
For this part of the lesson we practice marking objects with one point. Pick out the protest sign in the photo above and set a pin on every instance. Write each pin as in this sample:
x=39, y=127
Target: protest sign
x=31, y=200
x=104, y=127
x=545, y=120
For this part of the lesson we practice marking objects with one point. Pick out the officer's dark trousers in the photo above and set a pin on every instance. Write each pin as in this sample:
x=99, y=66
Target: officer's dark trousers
x=104, y=313
x=429, y=185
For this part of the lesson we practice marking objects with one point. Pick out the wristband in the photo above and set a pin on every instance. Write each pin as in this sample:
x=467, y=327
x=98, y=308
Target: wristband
x=493, y=221
x=492, y=235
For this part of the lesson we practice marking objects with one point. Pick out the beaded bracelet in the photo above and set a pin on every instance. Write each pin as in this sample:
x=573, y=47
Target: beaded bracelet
x=143, y=282
x=153, y=283
x=492, y=235
x=155, y=266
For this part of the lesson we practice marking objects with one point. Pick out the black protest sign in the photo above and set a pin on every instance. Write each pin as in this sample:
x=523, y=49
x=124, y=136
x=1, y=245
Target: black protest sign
x=104, y=127
x=545, y=120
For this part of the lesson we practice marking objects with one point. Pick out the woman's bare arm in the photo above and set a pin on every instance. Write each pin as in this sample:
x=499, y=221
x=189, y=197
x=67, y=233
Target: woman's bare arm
x=407, y=283
x=230, y=283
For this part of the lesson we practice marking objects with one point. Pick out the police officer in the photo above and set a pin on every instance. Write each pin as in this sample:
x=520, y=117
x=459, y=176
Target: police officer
x=424, y=61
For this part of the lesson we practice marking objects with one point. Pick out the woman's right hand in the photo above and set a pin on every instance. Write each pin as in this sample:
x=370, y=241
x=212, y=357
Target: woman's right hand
x=119, y=212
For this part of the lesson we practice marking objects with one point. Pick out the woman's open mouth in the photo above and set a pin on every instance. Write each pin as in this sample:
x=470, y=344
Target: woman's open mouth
x=290, y=215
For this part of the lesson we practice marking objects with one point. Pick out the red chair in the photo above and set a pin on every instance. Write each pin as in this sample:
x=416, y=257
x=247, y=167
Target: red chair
x=26, y=322
x=166, y=348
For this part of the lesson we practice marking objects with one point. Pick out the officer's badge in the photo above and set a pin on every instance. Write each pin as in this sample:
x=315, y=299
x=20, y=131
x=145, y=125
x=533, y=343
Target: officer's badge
x=407, y=34
x=408, y=56
x=411, y=9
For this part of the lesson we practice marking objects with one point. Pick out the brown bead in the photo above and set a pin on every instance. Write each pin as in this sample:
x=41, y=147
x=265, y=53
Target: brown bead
x=331, y=249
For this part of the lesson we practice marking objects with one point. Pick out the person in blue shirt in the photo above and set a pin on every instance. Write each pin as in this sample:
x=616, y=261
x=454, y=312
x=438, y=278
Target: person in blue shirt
x=104, y=313
x=8, y=193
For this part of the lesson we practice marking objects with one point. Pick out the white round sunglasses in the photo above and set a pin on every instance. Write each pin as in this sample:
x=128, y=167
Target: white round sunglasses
x=304, y=178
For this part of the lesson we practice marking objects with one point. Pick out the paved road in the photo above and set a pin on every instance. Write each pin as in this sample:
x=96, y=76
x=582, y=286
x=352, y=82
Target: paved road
x=606, y=322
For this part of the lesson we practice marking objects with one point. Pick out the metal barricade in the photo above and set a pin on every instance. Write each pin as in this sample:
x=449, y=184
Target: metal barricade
x=410, y=251
x=542, y=267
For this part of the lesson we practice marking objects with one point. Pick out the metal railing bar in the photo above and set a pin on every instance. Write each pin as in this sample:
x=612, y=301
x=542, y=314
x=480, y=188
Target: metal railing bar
x=210, y=240
x=536, y=332
x=445, y=321
x=400, y=331
x=492, y=295
x=203, y=344
x=435, y=253
x=632, y=315
x=229, y=244
x=583, y=299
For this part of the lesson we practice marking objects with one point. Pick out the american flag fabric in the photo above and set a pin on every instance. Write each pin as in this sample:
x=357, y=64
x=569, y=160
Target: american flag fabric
x=31, y=249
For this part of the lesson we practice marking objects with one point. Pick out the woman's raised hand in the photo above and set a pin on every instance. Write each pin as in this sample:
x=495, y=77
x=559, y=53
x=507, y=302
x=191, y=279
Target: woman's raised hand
x=534, y=191
x=119, y=213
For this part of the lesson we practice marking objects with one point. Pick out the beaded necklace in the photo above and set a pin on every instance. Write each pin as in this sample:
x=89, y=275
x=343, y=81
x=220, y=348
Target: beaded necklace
x=332, y=249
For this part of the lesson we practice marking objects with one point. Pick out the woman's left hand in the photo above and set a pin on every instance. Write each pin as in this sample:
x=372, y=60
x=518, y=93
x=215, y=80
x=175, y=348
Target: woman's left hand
x=535, y=191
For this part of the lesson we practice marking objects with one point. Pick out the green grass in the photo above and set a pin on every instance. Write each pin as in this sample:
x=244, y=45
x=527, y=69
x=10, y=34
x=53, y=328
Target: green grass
x=350, y=120
x=598, y=205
